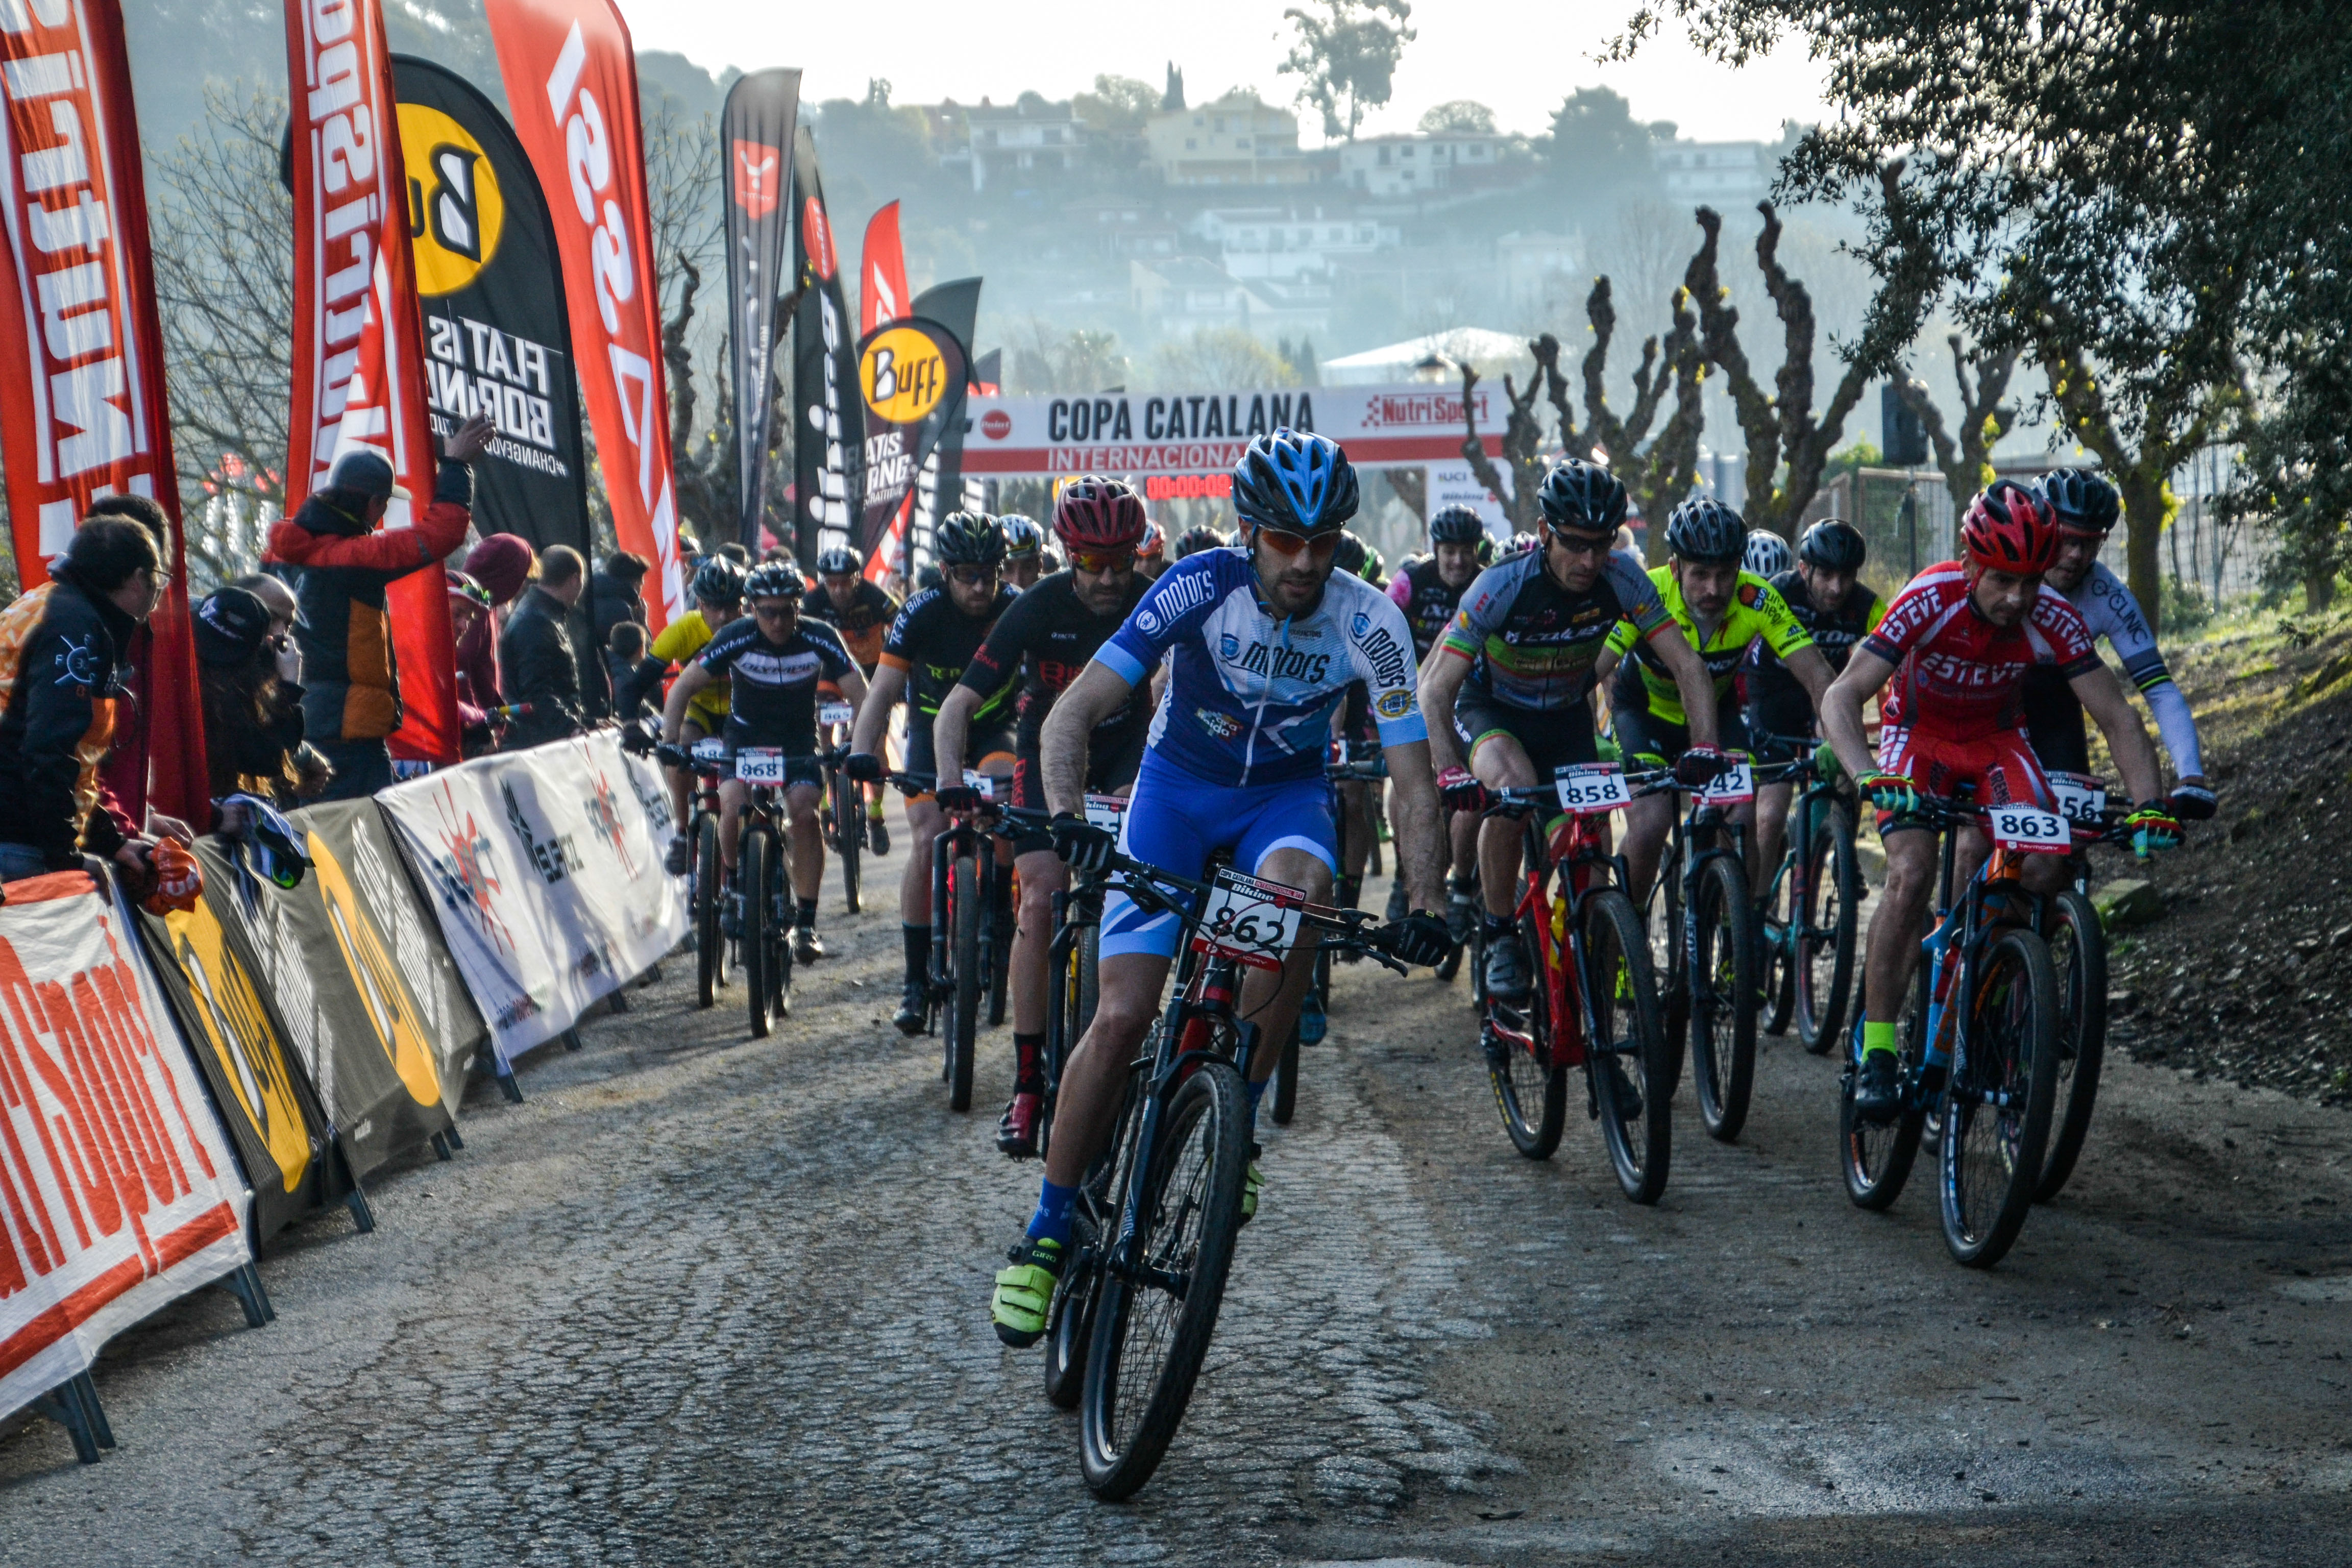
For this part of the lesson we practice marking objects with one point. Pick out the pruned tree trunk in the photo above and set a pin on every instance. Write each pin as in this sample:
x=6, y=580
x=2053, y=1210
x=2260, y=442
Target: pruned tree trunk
x=1965, y=460
x=1411, y=487
x=1522, y=438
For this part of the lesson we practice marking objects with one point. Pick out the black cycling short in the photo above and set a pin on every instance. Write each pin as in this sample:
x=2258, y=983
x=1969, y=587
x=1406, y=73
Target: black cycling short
x=1552, y=737
x=979, y=744
x=2053, y=722
x=1113, y=755
x=1788, y=713
x=1652, y=743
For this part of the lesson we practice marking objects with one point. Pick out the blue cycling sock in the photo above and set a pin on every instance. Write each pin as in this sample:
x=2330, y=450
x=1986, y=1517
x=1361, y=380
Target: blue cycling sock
x=1256, y=1093
x=1052, y=1220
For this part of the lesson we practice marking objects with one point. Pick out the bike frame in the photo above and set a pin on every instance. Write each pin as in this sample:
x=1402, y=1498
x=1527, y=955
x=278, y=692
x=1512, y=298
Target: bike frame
x=1572, y=851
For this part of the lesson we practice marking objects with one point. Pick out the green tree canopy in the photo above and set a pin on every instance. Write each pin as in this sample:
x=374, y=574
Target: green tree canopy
x=1596, y=143
x=1464, y=116
x=1345, y=55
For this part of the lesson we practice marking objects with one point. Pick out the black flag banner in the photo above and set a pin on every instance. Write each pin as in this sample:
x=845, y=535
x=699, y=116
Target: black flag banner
x=755, y=137
x=267, y=1102
x=912, y=374
x=956, y=306
x=491, y=287
x=829, y=442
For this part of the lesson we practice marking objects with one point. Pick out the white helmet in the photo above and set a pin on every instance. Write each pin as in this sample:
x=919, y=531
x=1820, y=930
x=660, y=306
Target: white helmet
x=1767, y=555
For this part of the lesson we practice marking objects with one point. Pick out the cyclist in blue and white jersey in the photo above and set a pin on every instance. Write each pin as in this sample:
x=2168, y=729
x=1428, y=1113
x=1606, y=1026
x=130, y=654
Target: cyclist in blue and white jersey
x=2087, y=507
x=1263, y=641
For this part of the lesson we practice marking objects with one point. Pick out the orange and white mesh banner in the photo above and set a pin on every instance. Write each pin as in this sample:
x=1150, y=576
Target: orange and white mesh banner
x=118, y=1192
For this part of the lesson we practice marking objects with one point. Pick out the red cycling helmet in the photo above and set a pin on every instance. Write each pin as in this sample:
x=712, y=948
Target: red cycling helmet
x=1099, y=515
x=2010, y=528
x=1155, y=541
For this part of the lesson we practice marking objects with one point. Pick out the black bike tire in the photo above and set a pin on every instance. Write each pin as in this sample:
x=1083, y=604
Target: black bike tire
x=1536, y=1135
x=751, y=870
x=709, y=941
x=1285, y=1098
x=849, y=830
x=1876, y=1188
x=1821, y=1029
x=964, y=1016
x=1071, y=1322
x=1214, y=1089
x=1089, y=979
x=1726, y=1078
x=1666, y=943
x=2031, y=958
x=1610, y=921
x=2087, y=1022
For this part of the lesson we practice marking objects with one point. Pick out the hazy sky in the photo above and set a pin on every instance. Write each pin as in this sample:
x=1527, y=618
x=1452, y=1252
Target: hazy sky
x=1520, y=57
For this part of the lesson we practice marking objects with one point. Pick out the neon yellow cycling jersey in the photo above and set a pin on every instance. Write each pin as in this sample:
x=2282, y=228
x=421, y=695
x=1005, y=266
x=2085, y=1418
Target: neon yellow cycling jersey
x=678, y=643
x=1756, y=610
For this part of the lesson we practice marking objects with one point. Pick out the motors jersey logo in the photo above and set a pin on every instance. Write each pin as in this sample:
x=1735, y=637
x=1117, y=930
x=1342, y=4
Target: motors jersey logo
x=1395, y=704
x=1361, y=623
x=1175, y=598
x=1229, y=646
x=1389, y=664
x=1277, y=663
x=1223, y=726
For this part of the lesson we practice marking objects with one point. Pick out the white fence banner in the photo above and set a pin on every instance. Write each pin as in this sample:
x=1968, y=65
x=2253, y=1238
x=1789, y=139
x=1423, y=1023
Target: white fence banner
x=545, y=869
x=118, y=1190
x=1204, y=433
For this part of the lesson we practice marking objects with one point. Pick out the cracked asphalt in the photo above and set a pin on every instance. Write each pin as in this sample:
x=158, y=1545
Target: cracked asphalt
x=702, y=1300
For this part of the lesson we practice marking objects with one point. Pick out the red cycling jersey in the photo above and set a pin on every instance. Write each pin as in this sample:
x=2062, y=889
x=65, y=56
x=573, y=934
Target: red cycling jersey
x=1957, y=675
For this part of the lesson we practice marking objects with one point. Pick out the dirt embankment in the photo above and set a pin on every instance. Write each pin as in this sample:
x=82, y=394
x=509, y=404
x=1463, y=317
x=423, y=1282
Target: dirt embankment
x=2247, y=975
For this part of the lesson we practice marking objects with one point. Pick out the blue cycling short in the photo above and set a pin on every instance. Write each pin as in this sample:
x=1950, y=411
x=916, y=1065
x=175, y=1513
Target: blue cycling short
x=1177, y=820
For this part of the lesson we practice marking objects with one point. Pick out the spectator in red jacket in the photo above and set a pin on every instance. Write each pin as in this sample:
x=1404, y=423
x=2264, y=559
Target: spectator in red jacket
x=343, y=561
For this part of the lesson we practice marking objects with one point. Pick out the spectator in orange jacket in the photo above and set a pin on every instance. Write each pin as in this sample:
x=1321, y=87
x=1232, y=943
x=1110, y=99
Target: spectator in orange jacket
x=343, y=561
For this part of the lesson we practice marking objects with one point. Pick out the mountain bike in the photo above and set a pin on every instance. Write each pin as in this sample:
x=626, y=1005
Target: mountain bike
x=1594, y=1001
x=1158, y=1213
x=1707, y=945
x=966, y=949
x=1812, y=906
x=2078, y=954
x=1072, y=959
x=763, y=897
x=1359, y=762
x=714, y=951
x=1979, y=1043
x=844, y=802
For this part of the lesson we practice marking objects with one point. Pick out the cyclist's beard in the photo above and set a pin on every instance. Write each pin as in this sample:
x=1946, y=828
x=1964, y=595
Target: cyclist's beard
x=1295, y=589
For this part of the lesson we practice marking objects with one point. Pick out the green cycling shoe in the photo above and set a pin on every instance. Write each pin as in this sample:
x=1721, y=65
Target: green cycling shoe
x=1025, y=1292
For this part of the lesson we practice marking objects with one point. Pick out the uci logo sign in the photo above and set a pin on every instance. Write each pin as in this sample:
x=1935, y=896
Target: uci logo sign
x=904, y=373
x=456, y=211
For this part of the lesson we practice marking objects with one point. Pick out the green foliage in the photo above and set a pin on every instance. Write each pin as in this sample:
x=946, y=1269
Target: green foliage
x=1463, y=116
x=1220, y=358
x=1862, y=453
x=1345, y=55
x=2185, y=609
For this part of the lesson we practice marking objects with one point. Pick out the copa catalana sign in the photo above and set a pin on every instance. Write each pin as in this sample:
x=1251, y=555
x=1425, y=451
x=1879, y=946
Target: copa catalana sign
x=1192, y=433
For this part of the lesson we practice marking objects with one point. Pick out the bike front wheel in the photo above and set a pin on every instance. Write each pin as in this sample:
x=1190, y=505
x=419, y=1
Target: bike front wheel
x=1997, y=1112
x=849, y=830
x=1826, y=938
x=1284, y=1101
x=1724, y=976
x=1627, y=1059
x=963, y=1017
x=1071, y=1322
x=2078, y=956
x=709, y=941
x=1153, y=1316
x=754, y=871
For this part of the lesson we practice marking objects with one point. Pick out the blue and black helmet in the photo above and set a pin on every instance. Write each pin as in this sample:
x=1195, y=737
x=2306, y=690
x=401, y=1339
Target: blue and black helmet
x=1457, y=524
x=1583, y=496
x=2083, y=499
x=1297, y=482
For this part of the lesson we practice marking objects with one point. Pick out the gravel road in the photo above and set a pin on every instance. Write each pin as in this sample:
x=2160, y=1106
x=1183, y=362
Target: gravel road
x=704, y=1300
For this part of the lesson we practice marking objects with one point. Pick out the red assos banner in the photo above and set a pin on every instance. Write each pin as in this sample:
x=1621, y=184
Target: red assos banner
x=118, y=1192
x=82, y=411
x=359, y=352
x=572, y=78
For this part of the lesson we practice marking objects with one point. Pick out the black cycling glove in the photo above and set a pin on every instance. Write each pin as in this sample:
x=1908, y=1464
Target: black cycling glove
x=1082, y=846
x=1421, y=938
x=863, y=767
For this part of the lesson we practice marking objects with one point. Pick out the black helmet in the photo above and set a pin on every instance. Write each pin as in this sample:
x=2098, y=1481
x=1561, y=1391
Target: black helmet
x=838, y=562
x=1833, y=546
x=1356, y=558
x=2083, y=499
x=1457, y=524
x=1584, y=496
x=1704, y=529
x=1192, y=541
x=969, y=539
x=772, y=581
x=719, y=581
x=1297, y=482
